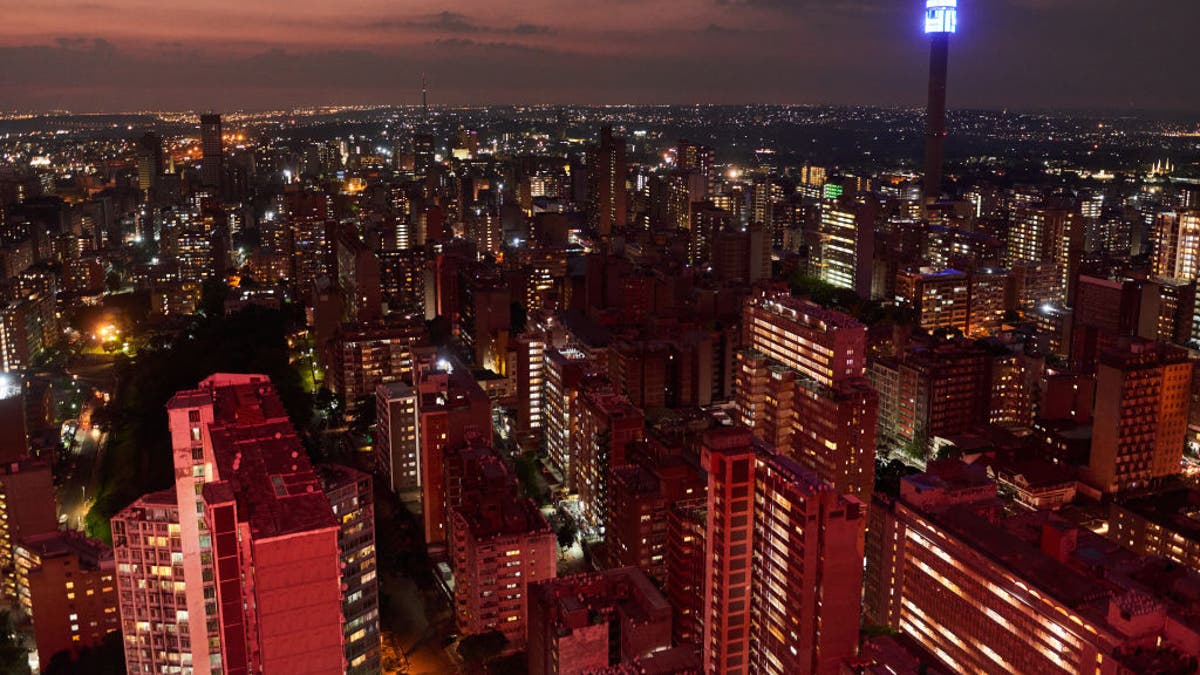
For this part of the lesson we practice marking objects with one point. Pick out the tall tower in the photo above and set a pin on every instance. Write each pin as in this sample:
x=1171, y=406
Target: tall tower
x=210, y=147
x=941, y=21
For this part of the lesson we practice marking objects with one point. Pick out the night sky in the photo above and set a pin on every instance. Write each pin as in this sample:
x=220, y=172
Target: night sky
x=119, y=55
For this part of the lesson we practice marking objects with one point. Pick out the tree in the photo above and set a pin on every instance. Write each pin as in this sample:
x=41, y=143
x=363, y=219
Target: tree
x=137, y=458
x=517, y=317
x=107, y=658
x=567, y=533
x=213, y=293
x=13, y=656
x=483, y=647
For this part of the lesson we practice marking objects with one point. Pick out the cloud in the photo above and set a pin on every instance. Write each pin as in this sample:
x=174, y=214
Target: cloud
x=454, y=22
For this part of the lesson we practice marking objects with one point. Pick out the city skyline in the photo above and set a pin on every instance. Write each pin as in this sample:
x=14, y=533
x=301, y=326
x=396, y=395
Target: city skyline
x=90, y=57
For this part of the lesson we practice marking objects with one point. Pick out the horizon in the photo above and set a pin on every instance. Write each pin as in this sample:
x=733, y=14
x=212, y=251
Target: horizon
x=325, y=108
x=1016, y=54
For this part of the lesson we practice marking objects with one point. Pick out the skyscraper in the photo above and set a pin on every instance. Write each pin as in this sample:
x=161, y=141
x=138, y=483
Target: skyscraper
x=1177, y=253
x=1142, y=399
x=251, y=547
x=212, y=153
x=800, y=386
x=149, y=161
x=941, y=21
x=779, y=597
x=606, y=183
x=846, y=254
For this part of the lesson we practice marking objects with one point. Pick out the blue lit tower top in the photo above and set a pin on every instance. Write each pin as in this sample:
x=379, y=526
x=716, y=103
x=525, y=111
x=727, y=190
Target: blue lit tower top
x=941, y=16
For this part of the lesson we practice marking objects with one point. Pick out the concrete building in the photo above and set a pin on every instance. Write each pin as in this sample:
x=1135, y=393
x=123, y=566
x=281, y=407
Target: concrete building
x=67, y=584
x=254, y=558
x=590, y=622
x=777, y=600
x=395, y=440
x=1033, y=593
x=1141, y=416
x=501, y=545
x=799, y=386
x=353, y=503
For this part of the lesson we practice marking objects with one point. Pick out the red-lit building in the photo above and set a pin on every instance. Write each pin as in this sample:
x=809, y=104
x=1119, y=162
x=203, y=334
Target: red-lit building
x=1143, y=395
x=450, y=406
x=779, y=597
x=502, y=543
x=589, y=622
x=255, y=551
x=27, y=505
x=639, y=496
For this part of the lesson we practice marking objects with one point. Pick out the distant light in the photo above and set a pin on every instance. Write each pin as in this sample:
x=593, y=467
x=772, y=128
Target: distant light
x=444, y=365
x=941, y=16
x=9, y=386
x=1047, y=308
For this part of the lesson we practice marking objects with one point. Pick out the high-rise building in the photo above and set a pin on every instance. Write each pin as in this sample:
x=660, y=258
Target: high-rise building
x=395, y=439
x=940, y=298
x=27, y=508
x=607, y=424
x=149, y=162
x=800, y=386
x=594, y=621
x=846, y=253
x=254, y=559
x=606, y=183
x=778, y=598
x=211, y=152
x=531, y=382
x=364, y=355
x=639, y=496
x=687, y=523
x=940, y=390
x=353, y=504
x=501, y=545
x=1177, y=249
x=67, y=584
x=565, y=369
x=941, y=21
x=153, y=598
x=1141, y=415
x=991, y=297
x=358, y=277
x=1040, y=233
x=450, y=406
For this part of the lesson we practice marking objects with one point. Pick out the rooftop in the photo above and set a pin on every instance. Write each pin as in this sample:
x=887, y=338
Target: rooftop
x=260, y=458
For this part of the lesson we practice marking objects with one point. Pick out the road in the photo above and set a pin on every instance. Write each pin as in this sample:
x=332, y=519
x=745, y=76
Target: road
x=78, y=485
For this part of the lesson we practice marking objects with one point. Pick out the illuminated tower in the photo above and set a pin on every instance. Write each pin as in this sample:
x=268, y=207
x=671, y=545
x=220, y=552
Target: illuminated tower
x=941, y=20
